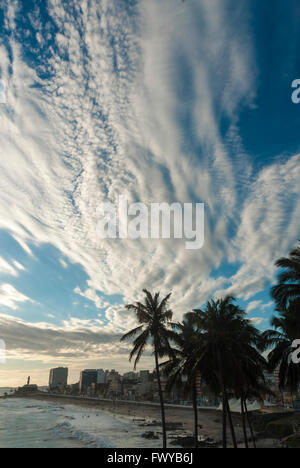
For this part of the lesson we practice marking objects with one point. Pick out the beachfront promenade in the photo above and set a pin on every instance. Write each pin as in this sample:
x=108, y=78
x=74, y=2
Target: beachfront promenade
x=117, y=402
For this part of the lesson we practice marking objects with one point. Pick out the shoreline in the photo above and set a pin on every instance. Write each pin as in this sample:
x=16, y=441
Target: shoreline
x=147, y=416
x=209, y=419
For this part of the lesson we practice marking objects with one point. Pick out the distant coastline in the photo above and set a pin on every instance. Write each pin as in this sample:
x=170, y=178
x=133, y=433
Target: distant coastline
x=102, y=402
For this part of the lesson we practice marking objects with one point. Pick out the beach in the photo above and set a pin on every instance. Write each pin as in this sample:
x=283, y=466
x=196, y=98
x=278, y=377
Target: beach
x=94, y=422
x=146, y=416
x=41, y=423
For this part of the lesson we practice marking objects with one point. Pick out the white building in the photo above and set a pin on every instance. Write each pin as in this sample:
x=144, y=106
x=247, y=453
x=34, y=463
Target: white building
x=58, y=377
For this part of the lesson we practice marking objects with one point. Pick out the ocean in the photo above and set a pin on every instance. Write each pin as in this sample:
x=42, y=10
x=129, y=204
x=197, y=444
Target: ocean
x=28, y=423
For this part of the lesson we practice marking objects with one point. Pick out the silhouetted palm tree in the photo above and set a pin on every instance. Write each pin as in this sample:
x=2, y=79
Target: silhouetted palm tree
x=227, y=340
x=250, y=380
x=182, y=364
x=286, y=330
x=155, y=320
x=288, y=287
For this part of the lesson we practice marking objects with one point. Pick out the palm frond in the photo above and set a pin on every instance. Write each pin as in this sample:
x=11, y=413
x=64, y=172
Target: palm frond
x=131, y=333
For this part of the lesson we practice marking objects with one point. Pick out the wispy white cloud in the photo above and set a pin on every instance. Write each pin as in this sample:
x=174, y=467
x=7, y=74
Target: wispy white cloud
x=10, y=296
x=77, y=340
x=18, y=265
x=267, y=305
x=259, y=306
x=6, y=268
x=108, y=117
x=268, y=226
x=253, y=305
x=92, y=295
x=63, y=263
x=257, y=320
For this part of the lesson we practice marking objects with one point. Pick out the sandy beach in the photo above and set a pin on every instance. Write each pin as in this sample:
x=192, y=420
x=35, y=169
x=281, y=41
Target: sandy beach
x=210, y=420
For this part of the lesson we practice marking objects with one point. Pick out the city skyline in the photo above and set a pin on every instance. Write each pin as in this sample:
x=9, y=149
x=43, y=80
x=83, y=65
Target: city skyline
x=160, y=102
x=75, y=378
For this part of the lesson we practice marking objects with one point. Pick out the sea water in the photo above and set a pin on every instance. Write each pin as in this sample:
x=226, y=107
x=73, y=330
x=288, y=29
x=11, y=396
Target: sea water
x=29, y=423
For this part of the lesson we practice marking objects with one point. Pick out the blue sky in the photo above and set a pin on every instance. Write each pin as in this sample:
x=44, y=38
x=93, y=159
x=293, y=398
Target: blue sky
x=159, y=101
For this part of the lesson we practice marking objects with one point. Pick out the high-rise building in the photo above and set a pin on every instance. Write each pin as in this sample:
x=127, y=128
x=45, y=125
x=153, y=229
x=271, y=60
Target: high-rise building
x=115, y=385
x=87, y=377
x=101, y=376
x=58, y=378
x=144, y=376
x=111, y=374
x=130, y=376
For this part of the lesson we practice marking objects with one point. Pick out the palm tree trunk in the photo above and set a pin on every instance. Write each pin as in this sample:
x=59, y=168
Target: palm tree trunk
x=224, y=422
x=221, y=380
x=161, y=399
x=230, y=420
x=250, y=425
x=195, y=412
x=244, y=423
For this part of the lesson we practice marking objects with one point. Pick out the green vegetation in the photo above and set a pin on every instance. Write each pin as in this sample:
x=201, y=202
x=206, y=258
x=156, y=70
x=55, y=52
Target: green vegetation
x=294, y=441
x=279, y=429
x=260, y=421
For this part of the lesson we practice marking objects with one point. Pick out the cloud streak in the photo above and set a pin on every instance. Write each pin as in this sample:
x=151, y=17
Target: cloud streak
x=77, y=340
x=10, y=296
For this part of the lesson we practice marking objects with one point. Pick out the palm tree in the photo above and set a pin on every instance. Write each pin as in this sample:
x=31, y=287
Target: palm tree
x=286, y=329
x=250, y=379
x=181, y=364
x=154, y=318
x=288, y=287
x=227, y=340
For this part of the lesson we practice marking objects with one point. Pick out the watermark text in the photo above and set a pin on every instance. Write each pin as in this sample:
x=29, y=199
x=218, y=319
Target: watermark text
x=154, y=221
x=296, y=93
x=296, y=353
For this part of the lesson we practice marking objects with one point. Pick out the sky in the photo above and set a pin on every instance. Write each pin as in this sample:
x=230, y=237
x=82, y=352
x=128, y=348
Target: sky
x=158, y=101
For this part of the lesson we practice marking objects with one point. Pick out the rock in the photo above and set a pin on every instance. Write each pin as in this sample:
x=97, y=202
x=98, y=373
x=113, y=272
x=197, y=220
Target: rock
x=185, y=442
x=189, y=442
x=150, y=435
x=173, y=426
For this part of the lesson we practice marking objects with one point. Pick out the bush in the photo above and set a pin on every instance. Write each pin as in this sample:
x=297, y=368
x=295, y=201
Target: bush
x=279, y=429
x=294, y=441
x=260, y=421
